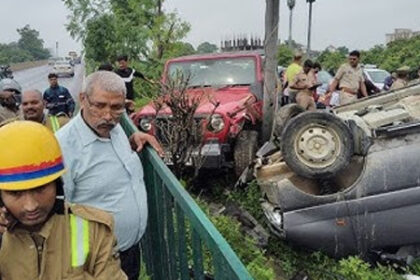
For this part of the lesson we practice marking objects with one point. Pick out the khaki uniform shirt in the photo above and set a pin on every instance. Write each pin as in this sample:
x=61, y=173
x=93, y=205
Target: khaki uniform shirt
x=6, y=114
x=303, y=80
x=49, y=253
x=349, y=77
x=399, y=83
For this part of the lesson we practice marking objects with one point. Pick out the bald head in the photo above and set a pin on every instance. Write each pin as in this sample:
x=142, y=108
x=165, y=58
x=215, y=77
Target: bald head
x=33, y=105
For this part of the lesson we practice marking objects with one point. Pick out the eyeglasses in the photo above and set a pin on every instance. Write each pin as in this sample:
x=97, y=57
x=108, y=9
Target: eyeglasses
x=99, y=108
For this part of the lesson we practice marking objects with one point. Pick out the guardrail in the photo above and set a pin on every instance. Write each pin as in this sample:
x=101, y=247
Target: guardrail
x=179, y=235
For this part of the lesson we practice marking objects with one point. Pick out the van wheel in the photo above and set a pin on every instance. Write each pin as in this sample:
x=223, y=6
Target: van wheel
x=317, y=145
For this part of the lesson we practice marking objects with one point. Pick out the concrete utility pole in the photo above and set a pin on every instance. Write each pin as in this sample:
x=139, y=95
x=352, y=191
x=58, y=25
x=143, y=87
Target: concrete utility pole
x=291, y=4
x=308, y=49
x=270, y=67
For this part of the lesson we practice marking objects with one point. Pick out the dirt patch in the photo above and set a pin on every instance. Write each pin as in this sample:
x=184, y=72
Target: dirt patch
x=27, y=65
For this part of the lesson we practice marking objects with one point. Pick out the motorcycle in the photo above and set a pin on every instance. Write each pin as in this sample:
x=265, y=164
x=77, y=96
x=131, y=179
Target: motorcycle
x=6, y=72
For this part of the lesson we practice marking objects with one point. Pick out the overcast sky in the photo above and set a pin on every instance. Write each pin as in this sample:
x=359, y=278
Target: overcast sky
x=357, y=24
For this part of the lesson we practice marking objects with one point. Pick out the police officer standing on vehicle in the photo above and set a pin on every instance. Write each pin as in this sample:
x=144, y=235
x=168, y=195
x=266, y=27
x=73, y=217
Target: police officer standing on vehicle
x=402, y=78
x=349, y=79
x=43, y=237
x=58, y=98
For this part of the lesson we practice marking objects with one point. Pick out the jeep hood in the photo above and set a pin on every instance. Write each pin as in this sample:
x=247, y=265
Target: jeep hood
x=230, y=99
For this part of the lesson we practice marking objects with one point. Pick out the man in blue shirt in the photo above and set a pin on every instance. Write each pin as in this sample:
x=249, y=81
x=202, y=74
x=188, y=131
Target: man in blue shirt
x=58, y=98
x=104, y=172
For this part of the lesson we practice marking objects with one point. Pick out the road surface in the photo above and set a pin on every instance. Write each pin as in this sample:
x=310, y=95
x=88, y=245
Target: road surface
x=37, y=78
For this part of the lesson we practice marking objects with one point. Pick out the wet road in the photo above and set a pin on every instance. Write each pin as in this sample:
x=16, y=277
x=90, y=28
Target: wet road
x=37, y=78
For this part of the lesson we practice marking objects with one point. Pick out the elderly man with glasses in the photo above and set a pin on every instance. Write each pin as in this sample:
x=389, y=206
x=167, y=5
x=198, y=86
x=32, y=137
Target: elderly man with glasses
x=349, y=79
x=104, y=172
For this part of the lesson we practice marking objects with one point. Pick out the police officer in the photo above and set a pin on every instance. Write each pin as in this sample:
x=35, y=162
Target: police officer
x=349, y=79
x=43, y=237
x=10, y=92
x=303, y=83
x=33, y=109
x=58, y=98
x=402, y=78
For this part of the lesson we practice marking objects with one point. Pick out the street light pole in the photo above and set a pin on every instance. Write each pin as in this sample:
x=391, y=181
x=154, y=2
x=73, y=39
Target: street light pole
x=291, y=4
x=308, y=49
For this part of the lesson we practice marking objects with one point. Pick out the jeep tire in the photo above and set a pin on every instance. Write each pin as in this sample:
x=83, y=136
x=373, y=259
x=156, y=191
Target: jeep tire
x=244, y=150
x=317, y=145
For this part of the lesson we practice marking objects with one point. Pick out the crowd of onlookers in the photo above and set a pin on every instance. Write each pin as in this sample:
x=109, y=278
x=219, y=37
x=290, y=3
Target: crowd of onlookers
x=299, y=83
x=75, y=203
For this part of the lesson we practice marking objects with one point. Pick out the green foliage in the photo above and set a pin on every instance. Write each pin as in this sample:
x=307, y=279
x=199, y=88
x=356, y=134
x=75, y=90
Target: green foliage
x=284, y=55
x=11, y=53
x=140, y=29
x=29, y=47
x=249, y=199
x=401, y=52
x=29, y=41
x=244, y=247
x=100, y=33
x=330, y=61
x=207, y=47
x=178, y=49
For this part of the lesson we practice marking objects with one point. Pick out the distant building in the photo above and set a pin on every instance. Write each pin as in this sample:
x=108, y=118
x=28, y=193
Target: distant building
x=243, y=43
x=401, y=33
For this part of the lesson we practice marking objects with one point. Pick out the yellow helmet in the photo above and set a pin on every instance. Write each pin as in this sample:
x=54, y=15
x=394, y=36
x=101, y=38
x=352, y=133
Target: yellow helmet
x=30, y=156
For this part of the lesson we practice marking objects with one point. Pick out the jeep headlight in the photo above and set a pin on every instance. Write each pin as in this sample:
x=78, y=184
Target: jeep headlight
x=146, y=124
x=216, y=123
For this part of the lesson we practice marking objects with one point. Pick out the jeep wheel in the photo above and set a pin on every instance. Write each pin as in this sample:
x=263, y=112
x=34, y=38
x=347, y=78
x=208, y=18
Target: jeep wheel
x=245, y=149
x=283, y=115
x=317, y=145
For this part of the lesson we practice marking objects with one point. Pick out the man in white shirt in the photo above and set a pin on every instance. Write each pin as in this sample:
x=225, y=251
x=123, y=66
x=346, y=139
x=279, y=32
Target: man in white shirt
x=103, y=171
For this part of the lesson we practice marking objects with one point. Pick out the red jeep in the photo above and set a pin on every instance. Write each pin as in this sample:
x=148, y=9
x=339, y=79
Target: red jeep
x=233, y=80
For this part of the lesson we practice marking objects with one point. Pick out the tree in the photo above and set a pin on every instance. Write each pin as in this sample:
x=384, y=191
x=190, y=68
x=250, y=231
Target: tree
x=100, y=33
x=343, y=50
x=29, y=41
x=178, y=49
x=207, y=47
x=330, y=61
x=284, y=55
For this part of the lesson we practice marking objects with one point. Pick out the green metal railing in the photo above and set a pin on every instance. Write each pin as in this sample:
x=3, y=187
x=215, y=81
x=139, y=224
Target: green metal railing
x=180, y=239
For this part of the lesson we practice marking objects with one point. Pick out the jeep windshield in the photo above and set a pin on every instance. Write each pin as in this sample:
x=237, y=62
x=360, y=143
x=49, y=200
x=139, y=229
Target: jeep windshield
x=216, y=72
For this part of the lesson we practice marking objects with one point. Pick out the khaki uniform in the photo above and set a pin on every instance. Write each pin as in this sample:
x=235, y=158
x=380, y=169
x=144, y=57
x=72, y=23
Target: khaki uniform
x=349, y=80
x=76, y=245
x=399, y=83
x=304, y=97
x=7, y=114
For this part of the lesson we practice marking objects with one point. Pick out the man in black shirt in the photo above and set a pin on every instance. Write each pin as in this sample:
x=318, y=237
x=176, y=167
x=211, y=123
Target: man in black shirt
x=128, y=74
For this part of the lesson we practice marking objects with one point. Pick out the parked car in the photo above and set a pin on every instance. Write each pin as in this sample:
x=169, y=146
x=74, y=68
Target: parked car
x=63, y=68
x=375, y=75
x=235, y=82
x=347, y=181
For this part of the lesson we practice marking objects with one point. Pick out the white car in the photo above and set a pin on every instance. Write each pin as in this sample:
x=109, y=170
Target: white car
x=376, y=76
x=63, y=68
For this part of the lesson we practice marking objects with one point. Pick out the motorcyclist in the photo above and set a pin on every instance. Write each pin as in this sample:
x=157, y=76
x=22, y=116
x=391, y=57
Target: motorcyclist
x=10, y=99
x=58, y=98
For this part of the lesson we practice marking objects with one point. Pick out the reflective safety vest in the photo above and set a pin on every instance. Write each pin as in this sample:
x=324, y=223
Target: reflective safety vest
x=55, y=125
x=79, y=232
